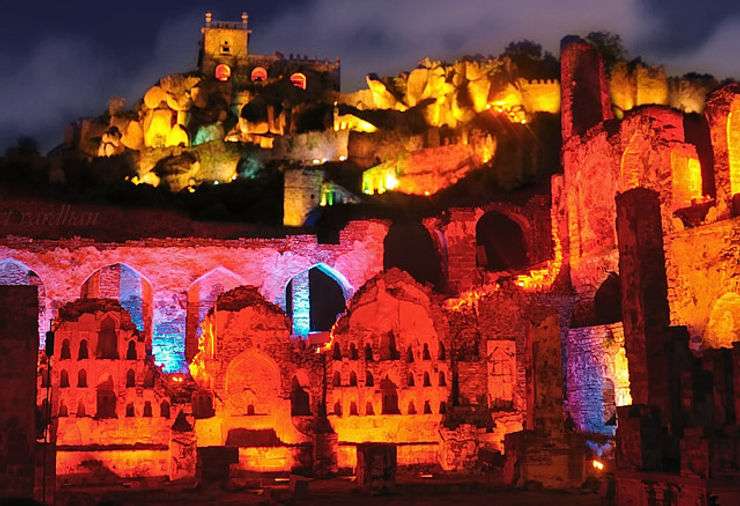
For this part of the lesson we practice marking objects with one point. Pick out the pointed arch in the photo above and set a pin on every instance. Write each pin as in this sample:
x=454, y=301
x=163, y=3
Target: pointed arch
x=202, y=296
x=13, y=272
x=129, y=287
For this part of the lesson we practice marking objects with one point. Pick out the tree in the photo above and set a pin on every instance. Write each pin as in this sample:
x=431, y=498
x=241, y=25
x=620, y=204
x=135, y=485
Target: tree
x=609, y=45
x=531, y=61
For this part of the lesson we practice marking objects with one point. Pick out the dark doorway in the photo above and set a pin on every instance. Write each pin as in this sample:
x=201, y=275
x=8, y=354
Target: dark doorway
x=500, y=242
x=408, y=246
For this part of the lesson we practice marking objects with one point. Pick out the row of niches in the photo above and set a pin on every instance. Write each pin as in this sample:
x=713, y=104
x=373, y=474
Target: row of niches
x=411, y=380
x=388, y=351
x=106, y=408
x=389, y=407
x=64, y=379
x=107, y=348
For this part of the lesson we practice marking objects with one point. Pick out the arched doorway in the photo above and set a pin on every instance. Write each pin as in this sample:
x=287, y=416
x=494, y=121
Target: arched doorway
x=314, y=298
x=500, y=243
x=409, y=247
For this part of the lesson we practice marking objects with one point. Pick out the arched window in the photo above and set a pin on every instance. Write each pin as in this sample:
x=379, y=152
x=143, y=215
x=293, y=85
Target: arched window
x=442, y=408
x=250, y=410
x=388, y=350
x=63, y=379
x=353, y=379
x=425, y=354
x=130, y=412
x=106, y=400
x=368, y=353
x=411, y=409
x=202, y=405
x=337, y=409
x=65, y=354
x=314, y=298
x=82, y=353
x=353, y=351
x=390, y=397
x=130, y=379
x=164, y=409
x=80, y=410
x=299, y=80
x=299, y=400
x=337, y=352
x=442, y=379
x=63, y=412
x=148, y=409
x=337, y=381
x=369, y=410
x=225, y=47
x=427, y=380
x=427, y=408
x=259, y=74
x=442, y=352
x=409, y=247
x=107, y=339
x=409, y=354
x=353, y=409
x=131, y=351
x=410, y=380
x=500, y=242
x=369, y=380
x=81, y=379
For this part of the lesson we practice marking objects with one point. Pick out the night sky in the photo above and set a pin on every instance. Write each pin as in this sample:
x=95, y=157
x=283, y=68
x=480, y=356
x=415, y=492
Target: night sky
x=60, y=60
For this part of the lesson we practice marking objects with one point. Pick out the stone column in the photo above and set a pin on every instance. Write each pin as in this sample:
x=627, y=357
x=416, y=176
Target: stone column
x=301, y=300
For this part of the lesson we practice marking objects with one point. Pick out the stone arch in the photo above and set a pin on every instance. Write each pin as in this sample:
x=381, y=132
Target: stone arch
x=501, y=243
x=164, y=409
x=632, y=164
x=733, y=145
x=130, y=378
x=409, y=247
x=202, y=296
x=65, y=353
x=131, y=350
x=13, y=272
x=126, y=285
x=314, y=298
x=253, y=378
x=83, y=352
x=723, y=328
x=81, y=378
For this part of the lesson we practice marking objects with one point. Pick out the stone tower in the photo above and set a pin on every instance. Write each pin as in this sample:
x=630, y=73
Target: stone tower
x=223, y=42
x=302, y=194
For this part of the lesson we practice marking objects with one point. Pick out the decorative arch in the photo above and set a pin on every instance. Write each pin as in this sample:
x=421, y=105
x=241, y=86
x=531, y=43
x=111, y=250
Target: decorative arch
x=723, y=328
x=258, y=74
x=299, y=80
x=13, y=272
x=314, y=298
x=202, y=296
x=252, y=378
x=126, y=285
x=501, y=243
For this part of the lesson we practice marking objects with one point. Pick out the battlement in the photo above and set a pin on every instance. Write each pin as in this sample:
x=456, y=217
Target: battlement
x=209, y=22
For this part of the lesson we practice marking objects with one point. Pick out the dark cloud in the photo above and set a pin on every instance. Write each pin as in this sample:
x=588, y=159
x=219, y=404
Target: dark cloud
x=66, y=61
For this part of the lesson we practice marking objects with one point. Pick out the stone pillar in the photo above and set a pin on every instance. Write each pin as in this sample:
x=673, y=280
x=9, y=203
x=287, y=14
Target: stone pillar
x=585, y=91
x=19, y=309
x=547, y=376
x=723, y=115
x=183, y=453
x=462, y=269
x=645, y=311
x=325, y=452
x=301, y=301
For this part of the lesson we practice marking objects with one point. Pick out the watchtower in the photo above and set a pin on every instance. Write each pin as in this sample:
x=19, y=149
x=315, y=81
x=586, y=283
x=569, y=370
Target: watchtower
x=223, y=42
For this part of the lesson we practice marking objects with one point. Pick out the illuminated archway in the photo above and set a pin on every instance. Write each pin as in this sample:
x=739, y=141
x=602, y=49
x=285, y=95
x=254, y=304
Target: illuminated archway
x=299, y=80
x=258, y=74
x=500, y=243
x=124, y=284
x=314, y=298
x=723, y=328
x=13, y=272
x=202, y=296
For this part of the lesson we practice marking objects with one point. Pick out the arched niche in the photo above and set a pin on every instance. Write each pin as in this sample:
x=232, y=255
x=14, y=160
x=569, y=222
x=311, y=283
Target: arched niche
x=15, y=273
x=409, y=247
x=252, y=379
x=501, y=244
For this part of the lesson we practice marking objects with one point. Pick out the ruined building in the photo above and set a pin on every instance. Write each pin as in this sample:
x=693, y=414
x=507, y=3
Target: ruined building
x=583, y=326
